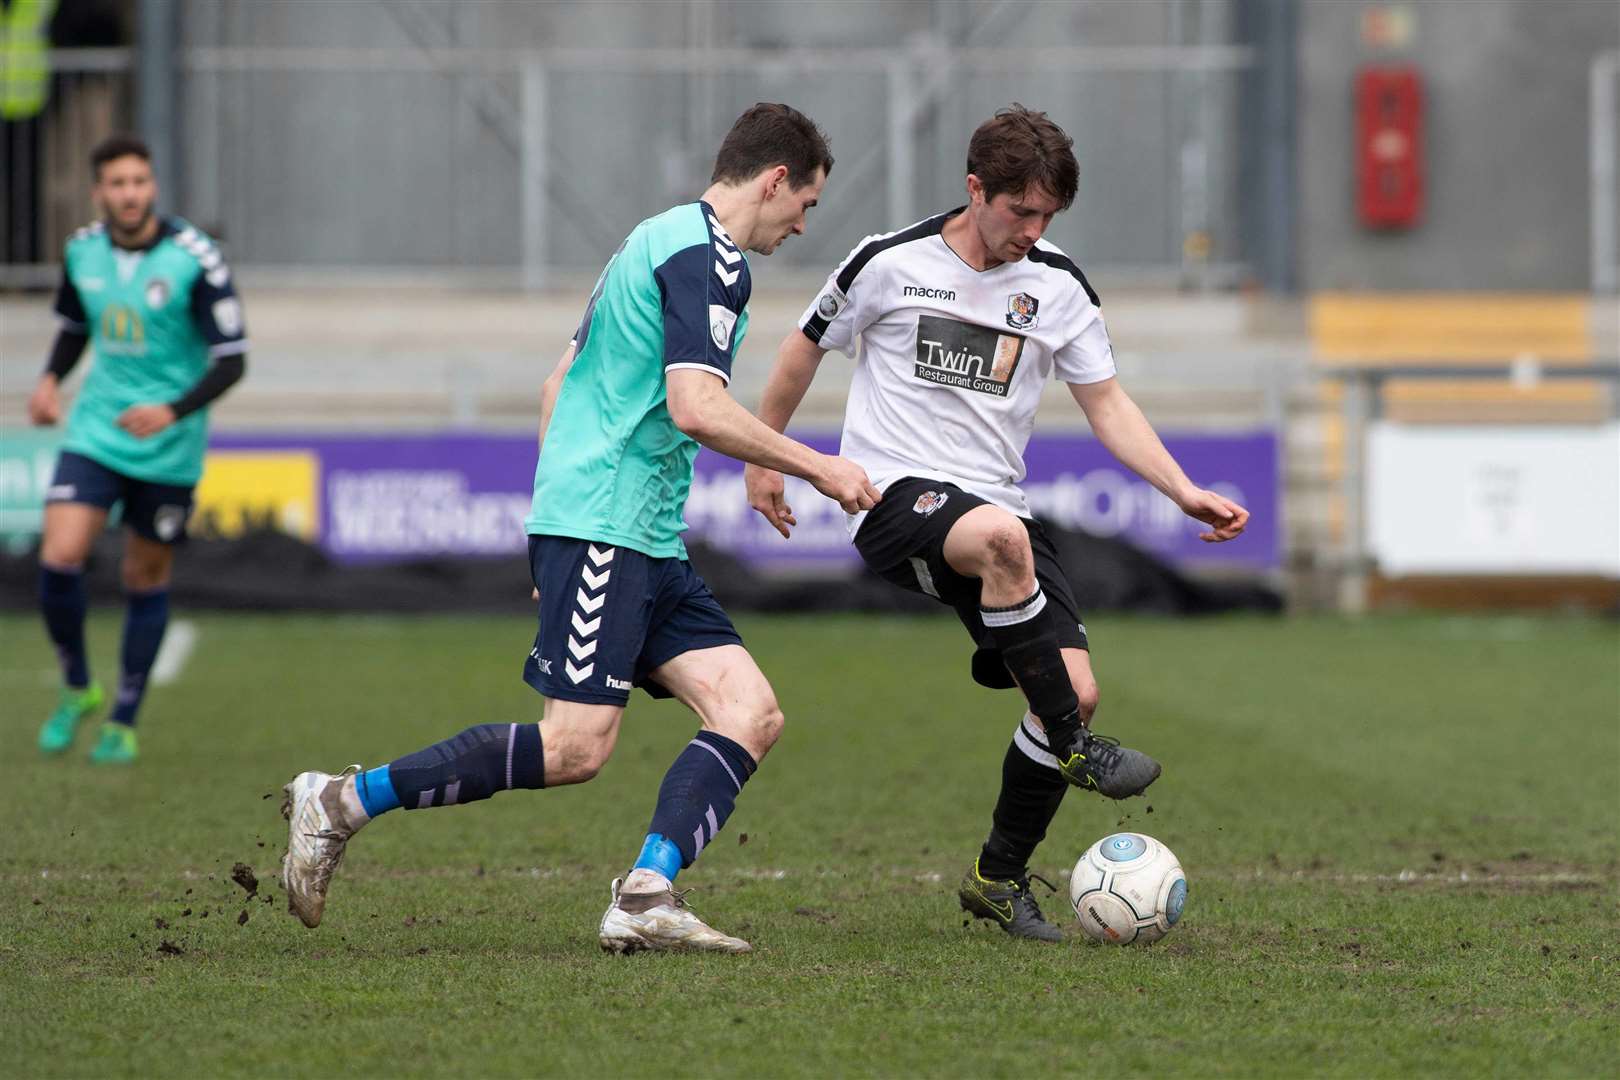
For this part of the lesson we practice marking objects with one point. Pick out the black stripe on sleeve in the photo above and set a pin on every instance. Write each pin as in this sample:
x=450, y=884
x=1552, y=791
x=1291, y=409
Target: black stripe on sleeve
x=1063, y=262
x=870, y=251
x=818, y=323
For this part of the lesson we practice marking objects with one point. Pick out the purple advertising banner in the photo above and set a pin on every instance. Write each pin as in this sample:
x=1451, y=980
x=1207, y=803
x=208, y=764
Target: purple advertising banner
x=392, y=497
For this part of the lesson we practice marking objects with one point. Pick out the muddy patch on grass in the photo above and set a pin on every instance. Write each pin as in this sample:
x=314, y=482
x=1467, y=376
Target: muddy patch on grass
x=244, y=876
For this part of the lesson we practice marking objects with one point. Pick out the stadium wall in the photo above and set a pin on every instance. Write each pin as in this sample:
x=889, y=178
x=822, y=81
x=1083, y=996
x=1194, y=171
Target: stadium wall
x=295, y=181
x=1506, y=129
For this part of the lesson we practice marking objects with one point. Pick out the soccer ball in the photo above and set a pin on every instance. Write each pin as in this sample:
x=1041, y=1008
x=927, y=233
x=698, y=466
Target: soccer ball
x=1127, y=887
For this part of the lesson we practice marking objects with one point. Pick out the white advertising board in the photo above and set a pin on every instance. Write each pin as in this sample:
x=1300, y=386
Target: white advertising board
x=1449, y=499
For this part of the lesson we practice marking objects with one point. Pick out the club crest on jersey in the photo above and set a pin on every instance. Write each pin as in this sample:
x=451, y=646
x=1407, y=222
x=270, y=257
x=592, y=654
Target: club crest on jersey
x=827, y=306
x=721, y=320
x=1021, y=309
x=157, y=293
x=929, y=501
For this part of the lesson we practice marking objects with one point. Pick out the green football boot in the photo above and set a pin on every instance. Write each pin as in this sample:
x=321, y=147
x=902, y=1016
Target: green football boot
x=116, y=747
x=63, y=724
x=1008, y=903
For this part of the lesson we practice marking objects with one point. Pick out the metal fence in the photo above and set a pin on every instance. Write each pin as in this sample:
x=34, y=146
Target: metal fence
x=514, y=166
x=91, y=95
x=1605, y=163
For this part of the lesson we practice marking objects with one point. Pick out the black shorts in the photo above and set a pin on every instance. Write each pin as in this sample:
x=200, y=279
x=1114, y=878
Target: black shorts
x=155, y=511
x=903, y=541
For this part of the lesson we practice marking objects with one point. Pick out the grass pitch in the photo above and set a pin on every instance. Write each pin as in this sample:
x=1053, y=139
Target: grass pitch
x=1399, y=834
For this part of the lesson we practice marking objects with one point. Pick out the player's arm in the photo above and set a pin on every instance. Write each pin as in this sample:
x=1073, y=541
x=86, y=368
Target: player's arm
x=834, y=319
x=700, y=406
x=797, y=361
x=703, y=303
x=45, y=403
x=1120, y=426
x=552, y=387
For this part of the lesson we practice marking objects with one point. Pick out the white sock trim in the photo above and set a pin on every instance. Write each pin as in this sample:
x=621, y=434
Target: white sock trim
x=1032, y=742
x=1013, y=616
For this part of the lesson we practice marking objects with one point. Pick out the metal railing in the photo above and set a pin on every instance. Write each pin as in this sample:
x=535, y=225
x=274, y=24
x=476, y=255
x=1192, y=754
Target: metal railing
x=527, y=164
x=1363, y=403
x=1605, y=164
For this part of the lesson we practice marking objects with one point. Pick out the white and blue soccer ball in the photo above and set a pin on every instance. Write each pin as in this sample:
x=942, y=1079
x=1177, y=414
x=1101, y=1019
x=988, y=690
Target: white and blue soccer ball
x=1127, y=888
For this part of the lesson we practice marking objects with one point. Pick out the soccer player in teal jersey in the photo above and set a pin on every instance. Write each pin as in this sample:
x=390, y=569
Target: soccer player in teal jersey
x=640, y=387
x=154, y=296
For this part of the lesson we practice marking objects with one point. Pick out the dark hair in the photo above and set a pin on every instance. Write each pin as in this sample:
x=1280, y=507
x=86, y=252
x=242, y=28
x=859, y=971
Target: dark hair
x=768, y=135
x=116, y=146
x=1018, y=147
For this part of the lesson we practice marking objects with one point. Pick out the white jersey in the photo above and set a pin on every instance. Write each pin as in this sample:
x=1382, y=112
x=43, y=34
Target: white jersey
x=953, y=360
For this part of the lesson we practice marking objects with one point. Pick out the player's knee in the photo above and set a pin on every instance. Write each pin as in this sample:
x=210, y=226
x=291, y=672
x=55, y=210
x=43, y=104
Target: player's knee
x=1087, y=693
x=61, y=562
x=768, y=724
x=1008, y=552
x=145, y=571
x=579, y=758
x=65, y=553
x=137, y=578
x=588, y=763
x=755, y=726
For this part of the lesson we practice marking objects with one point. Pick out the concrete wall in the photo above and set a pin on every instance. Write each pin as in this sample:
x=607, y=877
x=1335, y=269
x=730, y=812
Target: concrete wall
x=1507, y=126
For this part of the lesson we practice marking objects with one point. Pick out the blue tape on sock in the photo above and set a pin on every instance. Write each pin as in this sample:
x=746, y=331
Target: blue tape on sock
x=661, y=855
x=376, y=791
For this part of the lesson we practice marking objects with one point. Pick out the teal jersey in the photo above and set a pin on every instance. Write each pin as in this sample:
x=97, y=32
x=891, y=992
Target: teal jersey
x=155, y=318
x=614, y=468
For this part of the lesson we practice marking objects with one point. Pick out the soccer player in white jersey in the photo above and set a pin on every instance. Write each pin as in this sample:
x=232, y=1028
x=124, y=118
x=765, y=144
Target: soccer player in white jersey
x=963, y=317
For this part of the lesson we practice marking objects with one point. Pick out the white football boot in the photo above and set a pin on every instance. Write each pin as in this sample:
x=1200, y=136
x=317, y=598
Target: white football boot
x=647, y=913
x=318, y=828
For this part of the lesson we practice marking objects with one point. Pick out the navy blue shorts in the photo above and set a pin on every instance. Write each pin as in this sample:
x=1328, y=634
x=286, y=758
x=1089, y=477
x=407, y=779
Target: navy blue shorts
x=609, y=616
x=156, y=511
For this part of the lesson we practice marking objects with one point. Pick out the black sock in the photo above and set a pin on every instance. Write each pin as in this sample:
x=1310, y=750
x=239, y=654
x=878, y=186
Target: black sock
x=1027, y=640
x=1031, y=792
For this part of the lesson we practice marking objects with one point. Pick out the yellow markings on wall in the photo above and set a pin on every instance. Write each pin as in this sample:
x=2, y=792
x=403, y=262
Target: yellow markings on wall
x=245, y=490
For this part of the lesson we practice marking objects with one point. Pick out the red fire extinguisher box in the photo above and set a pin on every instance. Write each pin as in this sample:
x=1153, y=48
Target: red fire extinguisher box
x=1389, y=147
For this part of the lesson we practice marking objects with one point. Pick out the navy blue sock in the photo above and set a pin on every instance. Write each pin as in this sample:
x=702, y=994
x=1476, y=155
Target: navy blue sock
x=145, y=620
x=696, y=797
x=473, y=765
x=61, y=601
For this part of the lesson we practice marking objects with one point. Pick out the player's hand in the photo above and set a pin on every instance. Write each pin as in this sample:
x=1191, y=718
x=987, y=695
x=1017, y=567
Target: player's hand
x=44, y=404
x=766, y=493
x=534, y=594
x=144, y=421
x=846, y=484
x=1227, y=517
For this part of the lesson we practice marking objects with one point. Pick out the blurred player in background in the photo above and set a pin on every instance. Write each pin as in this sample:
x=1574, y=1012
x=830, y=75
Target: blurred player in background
x=963, y=318
x=641, y=386
x=155, y=297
